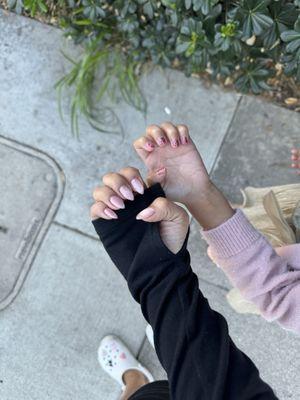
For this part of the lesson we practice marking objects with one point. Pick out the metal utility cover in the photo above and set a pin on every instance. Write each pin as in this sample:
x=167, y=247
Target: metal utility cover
x=31, y=187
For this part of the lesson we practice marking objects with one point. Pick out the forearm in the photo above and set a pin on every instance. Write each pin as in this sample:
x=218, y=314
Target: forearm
x=253, y=266
x=191, y=340
x=210, y=207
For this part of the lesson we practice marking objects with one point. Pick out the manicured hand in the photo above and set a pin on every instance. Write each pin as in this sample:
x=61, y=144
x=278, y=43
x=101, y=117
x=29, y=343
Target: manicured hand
x=121, y=186
x=173, y=160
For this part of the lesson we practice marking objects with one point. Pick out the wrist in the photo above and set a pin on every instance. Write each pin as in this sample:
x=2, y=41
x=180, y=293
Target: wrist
x=210, y=207
x=201, y=196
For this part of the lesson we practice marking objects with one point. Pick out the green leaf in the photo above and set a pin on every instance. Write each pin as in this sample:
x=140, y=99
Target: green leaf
x=297, y=24
x=148, y=9
x=197, y=5
x=185, y=30
x=42, y=6
x=288, y=36
x=83, y=22
x=270, y=37
x=260, y=22
x=182, y=47
x=188, y=4
x=247, y=28
x=293, y=46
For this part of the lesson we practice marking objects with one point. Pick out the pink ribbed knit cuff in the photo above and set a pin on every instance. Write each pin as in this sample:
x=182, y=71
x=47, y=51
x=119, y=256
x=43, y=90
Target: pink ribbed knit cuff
x=232, y=237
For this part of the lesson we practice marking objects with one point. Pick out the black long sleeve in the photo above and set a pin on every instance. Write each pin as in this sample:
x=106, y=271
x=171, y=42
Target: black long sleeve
x=191, y=340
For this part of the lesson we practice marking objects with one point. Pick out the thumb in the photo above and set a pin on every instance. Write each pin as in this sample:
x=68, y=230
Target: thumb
x=174, y=222
x=157, y=176
x=163, y=209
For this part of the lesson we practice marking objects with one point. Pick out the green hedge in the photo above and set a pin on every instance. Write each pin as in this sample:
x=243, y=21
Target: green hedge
x=245, y=40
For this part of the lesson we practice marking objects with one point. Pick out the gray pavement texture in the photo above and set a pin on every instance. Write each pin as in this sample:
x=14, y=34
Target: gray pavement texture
x=254, y=153
x=72, y=295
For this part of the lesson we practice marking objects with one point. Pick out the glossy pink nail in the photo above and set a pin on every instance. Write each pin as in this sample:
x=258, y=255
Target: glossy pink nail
x=137, y=185
x=148, y=212
x=117, y=202
x=174, y=143
x=161, y=141
x=150, y=145
x=126, y=192
x=110, y=213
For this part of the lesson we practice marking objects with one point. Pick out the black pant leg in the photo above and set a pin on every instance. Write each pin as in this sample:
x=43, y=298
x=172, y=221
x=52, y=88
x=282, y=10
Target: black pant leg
x=158, y=390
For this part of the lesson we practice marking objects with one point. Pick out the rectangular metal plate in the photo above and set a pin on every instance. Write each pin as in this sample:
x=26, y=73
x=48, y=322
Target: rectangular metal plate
x=31, y=186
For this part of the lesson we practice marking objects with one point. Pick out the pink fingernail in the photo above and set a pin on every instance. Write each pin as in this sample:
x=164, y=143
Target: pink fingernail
x=174, y=143
x=117, y=202
x=110, y=213
x=161, y=141
x=184, y=140
x=126, y=192
x=161, y=171
x=137, y=185
x=145, y=213
x=150, y=145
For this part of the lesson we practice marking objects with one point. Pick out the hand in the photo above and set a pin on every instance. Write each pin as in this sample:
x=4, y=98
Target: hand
x=173, y=160
x=174, y=220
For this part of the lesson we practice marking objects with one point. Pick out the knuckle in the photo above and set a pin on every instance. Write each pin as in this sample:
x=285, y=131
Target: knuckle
x=108, y=176
x=96, y=192
x=129, y=170
x=161, y=202
x=152, y=129
x=167, y=123
x=138, y=141
x=170, y=128
x=183, y=129
x=93, y=210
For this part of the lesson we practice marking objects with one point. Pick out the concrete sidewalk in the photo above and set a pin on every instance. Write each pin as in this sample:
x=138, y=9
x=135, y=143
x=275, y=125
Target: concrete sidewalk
x=72, y=295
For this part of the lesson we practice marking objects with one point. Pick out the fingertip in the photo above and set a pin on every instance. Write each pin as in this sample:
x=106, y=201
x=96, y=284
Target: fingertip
x=137, y=185
x=146, y=213
x=184, y=134
x=161, y=171
x=110, y=213
x=174, y=143
x=161, y=141
x=149, y=146
x=184, y=140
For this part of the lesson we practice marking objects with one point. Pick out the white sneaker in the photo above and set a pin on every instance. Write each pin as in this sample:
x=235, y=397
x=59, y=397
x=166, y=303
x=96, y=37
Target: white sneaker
x=115, y=358
x=150, y=335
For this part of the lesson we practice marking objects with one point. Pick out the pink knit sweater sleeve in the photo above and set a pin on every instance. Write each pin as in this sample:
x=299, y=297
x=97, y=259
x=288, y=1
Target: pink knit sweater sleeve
x=252, y=265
